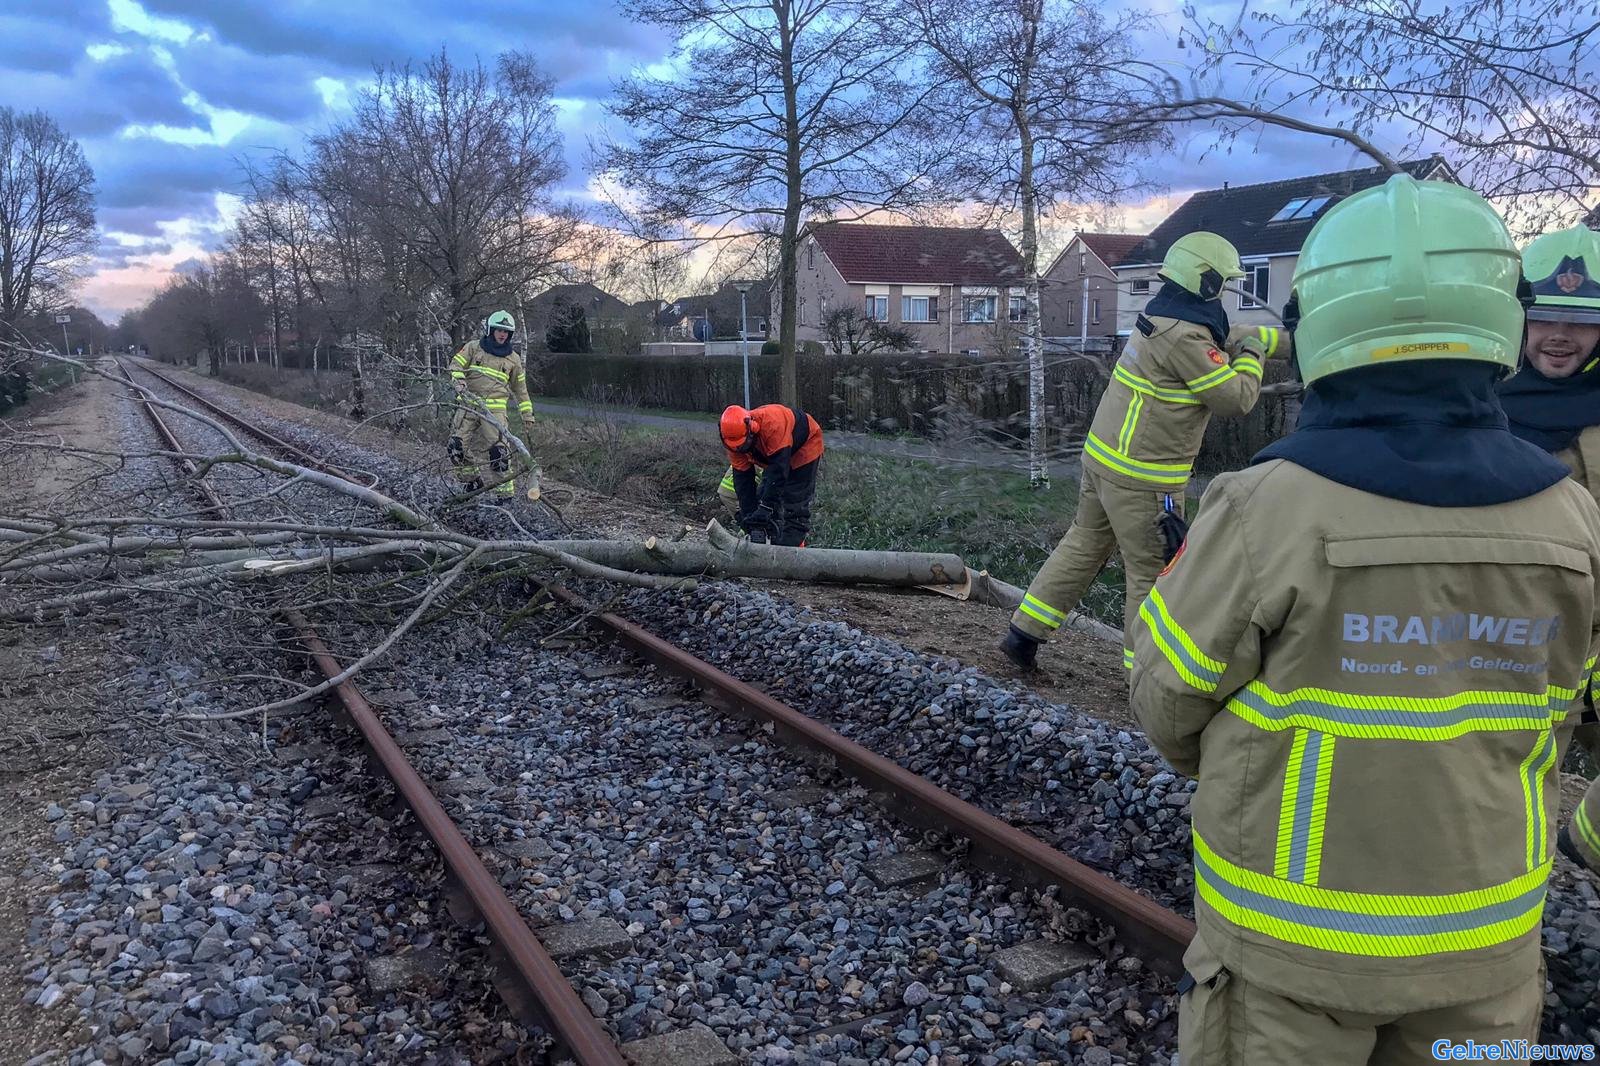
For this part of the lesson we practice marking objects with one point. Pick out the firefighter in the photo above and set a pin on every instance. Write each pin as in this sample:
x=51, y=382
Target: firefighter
x=729, y=495
x=1554, y=402
x=1368, y=654
x=1182, y=365
x=487, y=374
x=784, y=446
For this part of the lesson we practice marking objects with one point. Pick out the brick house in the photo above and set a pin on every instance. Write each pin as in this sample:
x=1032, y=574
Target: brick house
x=1267, y=223
x=953, y=289
x=1078, y=294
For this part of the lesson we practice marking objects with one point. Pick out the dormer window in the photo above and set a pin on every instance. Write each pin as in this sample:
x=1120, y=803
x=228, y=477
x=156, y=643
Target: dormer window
x=1303, y=208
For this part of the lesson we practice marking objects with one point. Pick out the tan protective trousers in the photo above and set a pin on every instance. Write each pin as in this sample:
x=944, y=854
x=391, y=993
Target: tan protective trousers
x=1585, y=827
x=1226, y=1021
x=484, y=452
x=1110, y=516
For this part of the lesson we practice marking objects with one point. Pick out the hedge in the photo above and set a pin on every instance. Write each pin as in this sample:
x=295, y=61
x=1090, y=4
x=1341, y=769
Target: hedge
x=925, y=395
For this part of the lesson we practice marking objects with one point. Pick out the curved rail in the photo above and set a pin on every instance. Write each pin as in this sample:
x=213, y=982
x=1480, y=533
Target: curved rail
x=565, y=1014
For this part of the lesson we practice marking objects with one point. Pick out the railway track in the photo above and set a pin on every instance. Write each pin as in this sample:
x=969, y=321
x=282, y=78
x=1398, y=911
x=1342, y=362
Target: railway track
x=1156, y=934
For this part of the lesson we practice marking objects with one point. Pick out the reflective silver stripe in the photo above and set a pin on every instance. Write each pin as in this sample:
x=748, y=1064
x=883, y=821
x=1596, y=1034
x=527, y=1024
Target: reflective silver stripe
x=1368, y=924
x=1157, y=619
x=1512, y=715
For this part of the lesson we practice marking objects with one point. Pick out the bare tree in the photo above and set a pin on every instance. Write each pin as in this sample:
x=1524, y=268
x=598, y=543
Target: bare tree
x=1045, y=79
x=1508, y=91
x=46, y=211
x=851, y=333
x=469, y=159
x=775, y=110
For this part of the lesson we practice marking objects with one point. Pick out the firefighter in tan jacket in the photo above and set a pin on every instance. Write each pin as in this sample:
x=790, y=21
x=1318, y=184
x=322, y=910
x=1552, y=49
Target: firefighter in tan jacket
x=1368, y=653
x=1554, y=402
x=1182, y=365
x=487, y=375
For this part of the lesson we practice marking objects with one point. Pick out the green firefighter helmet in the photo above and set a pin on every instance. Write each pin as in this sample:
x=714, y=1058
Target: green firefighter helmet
x=1405, y=271
x=1202, y=263
x=1562, y=270
x=501, y=320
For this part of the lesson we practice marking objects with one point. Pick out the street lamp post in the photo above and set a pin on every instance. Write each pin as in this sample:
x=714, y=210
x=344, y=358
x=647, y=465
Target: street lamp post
x=744, y=338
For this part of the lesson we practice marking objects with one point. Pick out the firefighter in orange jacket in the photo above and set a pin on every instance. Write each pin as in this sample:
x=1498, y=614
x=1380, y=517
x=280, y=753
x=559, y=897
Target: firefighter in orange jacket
x=785, y=444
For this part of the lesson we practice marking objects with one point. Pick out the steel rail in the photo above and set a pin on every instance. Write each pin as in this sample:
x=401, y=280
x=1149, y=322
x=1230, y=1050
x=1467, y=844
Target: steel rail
x=1159, y=934
x=305, y=457
x=566, y=1015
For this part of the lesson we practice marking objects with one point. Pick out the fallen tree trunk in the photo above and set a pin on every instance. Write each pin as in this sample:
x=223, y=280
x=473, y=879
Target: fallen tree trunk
x=727, y=555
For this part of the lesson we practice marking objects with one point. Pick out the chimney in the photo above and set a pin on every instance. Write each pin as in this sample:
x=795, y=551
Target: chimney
x=1224, y=186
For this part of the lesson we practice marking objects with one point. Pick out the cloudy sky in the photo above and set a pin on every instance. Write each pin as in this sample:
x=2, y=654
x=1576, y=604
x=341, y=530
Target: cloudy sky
x=168, y=96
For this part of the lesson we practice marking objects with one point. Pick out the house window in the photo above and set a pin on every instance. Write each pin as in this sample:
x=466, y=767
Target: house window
x=800, y=311
x=1254, y=282
x=1070, y=313
x=919, y=309
x=978, y=308
x=877, y=309
x=1094, y=311
x=811, y=256
x=1083, y=263
x=1017, y=309
x=1140, y=287
x=1303, y=208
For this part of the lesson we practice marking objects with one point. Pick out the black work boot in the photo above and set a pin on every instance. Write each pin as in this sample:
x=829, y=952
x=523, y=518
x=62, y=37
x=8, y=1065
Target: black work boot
x=1568, y=848
x=1021, y=649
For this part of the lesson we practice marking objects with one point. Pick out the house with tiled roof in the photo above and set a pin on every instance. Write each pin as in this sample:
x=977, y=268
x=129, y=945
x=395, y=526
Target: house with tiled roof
x=1078, y=294
x=1267, y=223
x=952, y=288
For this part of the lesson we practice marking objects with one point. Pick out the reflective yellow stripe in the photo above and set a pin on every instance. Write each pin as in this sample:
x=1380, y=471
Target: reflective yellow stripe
x=494, y=401
x=1041, y=612
x=1246, y=365
x=1211, y=380
x=1303, y=812
x=460, y=359
x=1194, y=666
x=490, y=372
x=525, y=407
x=1127, y=658
x=1414, y=718
x=1112, y=459
x=1129, y=422
x=1269, y=339
x=1533, y=771
x=1586, y=829
x=1377, y=925
x=1150, y=388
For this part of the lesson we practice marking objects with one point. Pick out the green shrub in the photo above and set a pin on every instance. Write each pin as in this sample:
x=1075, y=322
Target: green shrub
x=771, y=348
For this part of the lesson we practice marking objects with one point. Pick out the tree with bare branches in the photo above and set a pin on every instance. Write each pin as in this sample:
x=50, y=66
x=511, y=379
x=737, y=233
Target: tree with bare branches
x=1509, y=92
x=1046, y=80
x=46, y=212
x=775, y=110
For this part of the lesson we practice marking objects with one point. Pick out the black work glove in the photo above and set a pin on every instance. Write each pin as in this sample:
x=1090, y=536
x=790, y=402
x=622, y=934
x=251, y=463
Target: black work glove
x=1174, y=530
x=759, y=536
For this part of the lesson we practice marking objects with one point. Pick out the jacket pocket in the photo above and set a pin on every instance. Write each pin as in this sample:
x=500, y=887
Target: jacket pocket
x=1456, y=547
x=1204, y=1015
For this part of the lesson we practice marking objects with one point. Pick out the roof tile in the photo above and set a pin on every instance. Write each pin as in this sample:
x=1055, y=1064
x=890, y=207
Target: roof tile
x=926, y=255
x=1242, y=213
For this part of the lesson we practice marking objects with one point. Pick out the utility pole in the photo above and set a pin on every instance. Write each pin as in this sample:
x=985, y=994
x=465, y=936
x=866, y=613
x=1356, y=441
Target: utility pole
x=744, y=338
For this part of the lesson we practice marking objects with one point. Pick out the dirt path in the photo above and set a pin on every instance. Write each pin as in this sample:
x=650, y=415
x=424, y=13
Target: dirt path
x=52, y=746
